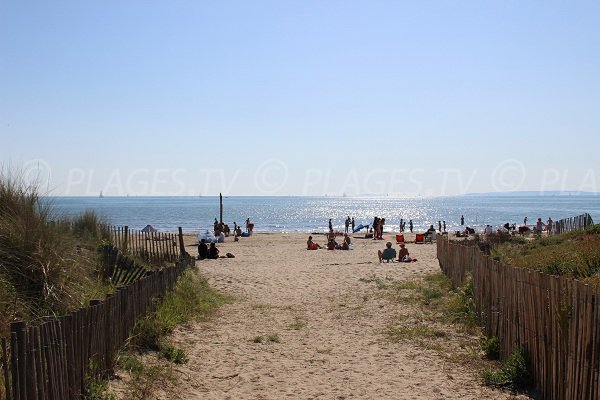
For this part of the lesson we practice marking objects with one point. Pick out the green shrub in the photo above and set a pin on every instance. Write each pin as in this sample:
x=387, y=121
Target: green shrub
x=513, y=373
x=491, y=347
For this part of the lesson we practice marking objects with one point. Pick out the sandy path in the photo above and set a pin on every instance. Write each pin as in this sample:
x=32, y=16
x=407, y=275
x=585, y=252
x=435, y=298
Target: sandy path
x=328, y=323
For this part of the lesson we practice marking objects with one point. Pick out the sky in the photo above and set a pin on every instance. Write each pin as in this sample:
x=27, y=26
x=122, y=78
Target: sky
x=401, y=98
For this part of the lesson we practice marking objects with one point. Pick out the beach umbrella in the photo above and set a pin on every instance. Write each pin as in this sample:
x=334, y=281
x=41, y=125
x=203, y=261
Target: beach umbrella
x=207, y=236
x=149, y=229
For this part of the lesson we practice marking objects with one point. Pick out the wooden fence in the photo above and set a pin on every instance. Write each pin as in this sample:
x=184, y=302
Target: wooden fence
x=53, y=359
x=571, y=224
x=152, y=247
x=555, y=319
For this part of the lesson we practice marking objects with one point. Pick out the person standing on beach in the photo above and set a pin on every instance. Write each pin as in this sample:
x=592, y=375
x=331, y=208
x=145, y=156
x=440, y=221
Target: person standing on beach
x=352, y=222
x=462, y=220
x=248, y=224
x=330, y=226
x=549, y=226
x=410, y=226
x=347, y=224
x=439, y=226
x=444, y=225
x=375, y=226
x=401, y=225
x=525, y=221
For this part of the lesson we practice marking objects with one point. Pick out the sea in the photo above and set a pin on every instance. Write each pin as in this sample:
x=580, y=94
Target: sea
x=311, y=214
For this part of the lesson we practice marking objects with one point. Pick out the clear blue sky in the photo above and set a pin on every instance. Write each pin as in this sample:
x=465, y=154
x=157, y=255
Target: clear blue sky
x=301, y=97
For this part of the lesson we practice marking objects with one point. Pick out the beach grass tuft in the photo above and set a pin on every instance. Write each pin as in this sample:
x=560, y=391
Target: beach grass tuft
x=48, y=264
x=513, y=373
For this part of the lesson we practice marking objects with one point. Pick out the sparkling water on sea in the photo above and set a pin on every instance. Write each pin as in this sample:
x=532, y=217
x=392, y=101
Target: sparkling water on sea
x=311, y=214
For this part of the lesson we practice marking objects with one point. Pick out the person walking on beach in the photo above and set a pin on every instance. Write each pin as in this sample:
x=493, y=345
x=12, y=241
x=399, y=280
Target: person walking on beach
x=352, y=222
x=330, y=226
x=410, y=226
x=549, y=226
x=444, y=225
x=462, y=220
x=347, y=224
x=401, y=225
x=439, y=226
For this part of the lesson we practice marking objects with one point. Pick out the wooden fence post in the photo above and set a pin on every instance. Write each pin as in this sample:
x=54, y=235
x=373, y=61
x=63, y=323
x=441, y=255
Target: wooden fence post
x=125, y=238
x=181, y=245
x=221, y=207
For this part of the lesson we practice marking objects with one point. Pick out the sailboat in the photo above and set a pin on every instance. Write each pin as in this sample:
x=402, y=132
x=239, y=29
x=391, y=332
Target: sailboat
x=101, y=195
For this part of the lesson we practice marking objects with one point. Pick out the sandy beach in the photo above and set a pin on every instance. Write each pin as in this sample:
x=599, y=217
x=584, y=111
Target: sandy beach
x=320, y=328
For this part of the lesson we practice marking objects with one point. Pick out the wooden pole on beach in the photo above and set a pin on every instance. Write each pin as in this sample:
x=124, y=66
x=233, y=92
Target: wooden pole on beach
x=221, y=207
x=181, y=246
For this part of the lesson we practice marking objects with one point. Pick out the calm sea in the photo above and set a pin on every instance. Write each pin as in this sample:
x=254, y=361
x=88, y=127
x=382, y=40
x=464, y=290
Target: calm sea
x=311, y=214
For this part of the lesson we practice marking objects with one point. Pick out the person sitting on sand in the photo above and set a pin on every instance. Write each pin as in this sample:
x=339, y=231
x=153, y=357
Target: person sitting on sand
x=346, y=244
x=387, y=254
x=403, y=255
x=213, y=252
x=430, y=230
x=332, y=244
x=310, y=245
x=202, y=250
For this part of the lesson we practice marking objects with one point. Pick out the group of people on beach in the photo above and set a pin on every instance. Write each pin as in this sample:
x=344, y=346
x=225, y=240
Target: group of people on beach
x=207, y=252
x=332, y=244
x=389, y=254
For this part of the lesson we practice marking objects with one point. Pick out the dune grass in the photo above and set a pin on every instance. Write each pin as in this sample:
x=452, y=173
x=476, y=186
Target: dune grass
x=575, y=254
x=48, y=264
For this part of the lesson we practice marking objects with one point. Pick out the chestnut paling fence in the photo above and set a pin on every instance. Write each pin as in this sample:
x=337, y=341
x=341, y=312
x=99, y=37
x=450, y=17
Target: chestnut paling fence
x=554, y=318
x=55, y=358
x=152, y=247
x=571, y=224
